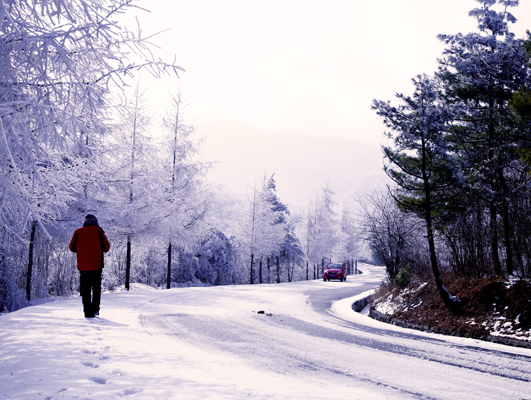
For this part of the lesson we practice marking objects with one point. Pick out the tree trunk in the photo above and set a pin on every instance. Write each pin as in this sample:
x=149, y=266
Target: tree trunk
x=260, y=271
x=307, y=271
x=251, y=280
x=128, y=264
x=494, y=241
x=278, y=270
x=507, y=228
x=443, y=292
x=168, y=276
x=290, y=272
x=30, y=260
x=449, y=300
x=495, y=186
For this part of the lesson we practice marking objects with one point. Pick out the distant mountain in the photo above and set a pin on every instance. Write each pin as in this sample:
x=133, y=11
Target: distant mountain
x=301, y=163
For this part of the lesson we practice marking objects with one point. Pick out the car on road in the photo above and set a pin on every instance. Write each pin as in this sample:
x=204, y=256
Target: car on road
x=335, y=271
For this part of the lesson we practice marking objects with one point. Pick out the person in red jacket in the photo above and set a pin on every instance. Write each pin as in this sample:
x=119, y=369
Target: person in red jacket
x=90, y=243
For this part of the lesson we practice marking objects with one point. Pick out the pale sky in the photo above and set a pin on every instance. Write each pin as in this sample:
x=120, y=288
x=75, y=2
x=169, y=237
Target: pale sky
x=308, y=66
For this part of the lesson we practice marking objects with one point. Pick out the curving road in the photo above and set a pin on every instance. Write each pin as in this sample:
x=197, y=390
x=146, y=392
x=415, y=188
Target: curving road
x=301, y=343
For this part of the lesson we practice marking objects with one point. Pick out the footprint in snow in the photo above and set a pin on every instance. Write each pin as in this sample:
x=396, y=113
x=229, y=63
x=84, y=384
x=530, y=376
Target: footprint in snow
x=51, y=397
x=101, y=381
x=129, y=392
x=104, y=358
x=91, y=365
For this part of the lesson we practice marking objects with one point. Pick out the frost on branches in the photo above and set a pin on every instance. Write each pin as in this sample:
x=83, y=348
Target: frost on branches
x=59, y=62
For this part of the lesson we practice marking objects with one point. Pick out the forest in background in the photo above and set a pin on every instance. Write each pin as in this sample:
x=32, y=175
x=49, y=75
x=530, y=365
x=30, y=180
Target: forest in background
x=78, y=138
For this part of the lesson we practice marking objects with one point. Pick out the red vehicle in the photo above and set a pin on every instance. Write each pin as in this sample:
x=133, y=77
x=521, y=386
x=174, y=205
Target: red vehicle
x=335, y=271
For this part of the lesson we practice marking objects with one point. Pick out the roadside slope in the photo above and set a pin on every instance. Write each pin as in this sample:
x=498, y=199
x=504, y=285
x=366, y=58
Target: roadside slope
x=493, y=309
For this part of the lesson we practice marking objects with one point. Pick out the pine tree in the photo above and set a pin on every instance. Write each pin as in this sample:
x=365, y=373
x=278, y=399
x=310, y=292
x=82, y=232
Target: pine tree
x=263, y=225
x=520, y=105
x=420, y=162
x=216, y=258
x=286, y=244
x=480, y=73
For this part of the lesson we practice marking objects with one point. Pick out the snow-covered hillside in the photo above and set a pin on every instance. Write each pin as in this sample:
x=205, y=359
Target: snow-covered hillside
x=212, y=343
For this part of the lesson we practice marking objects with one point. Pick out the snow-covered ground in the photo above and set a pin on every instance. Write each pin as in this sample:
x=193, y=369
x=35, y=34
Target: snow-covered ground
x=211, y=343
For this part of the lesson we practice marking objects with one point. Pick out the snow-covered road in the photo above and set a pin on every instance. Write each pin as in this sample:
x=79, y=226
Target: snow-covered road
x=211, y=343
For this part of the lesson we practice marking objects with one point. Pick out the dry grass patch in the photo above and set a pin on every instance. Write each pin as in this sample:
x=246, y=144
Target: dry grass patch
x=492, y=306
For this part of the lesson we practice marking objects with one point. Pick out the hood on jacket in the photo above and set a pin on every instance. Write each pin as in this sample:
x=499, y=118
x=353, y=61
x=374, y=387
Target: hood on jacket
x=90, y=220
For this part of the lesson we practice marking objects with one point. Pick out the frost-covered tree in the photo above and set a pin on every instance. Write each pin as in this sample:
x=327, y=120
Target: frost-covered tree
x=132, y=159
x=394, y=236
x=262, y=234
x=321, y=230
x=184, y=200
x=420, y=161
x=325, y=224
x=287, y=250
x=265, y=229
x=186, y=267
x=349, y=239
x=216, y=259
x=481, y=72
x=59, y=60
x=291, y=252
x=310, y=244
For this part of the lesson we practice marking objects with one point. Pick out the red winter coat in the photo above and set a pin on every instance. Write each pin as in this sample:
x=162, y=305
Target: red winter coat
x=87, y=244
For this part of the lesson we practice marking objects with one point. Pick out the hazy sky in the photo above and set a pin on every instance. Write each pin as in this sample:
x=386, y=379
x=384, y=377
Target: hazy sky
x=309, y=66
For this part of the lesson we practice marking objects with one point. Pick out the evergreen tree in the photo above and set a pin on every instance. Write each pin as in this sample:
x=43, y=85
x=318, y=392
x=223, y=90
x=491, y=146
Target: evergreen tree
x=420, y=162
x=291, y=251
x=520, y=105
x=481, y=72
x=216, y=258
x=263, y=233
x=288, y=247
x=266, y=230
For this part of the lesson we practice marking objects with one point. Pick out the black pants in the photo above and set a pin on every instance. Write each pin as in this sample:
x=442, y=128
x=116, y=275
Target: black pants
x=91, y=291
